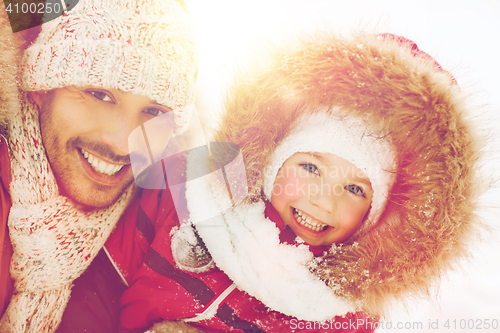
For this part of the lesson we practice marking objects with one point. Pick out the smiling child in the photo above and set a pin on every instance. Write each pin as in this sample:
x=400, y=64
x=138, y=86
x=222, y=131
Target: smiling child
x=324, y=193
x=361, y=168
x=328, y=211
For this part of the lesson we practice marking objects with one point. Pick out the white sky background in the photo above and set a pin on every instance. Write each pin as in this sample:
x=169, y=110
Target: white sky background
x=463, y=36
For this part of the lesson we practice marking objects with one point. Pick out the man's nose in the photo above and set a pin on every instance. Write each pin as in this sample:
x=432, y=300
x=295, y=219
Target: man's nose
x=116, y=132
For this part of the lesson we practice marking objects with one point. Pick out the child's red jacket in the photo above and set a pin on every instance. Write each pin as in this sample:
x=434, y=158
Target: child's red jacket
x=161, y=291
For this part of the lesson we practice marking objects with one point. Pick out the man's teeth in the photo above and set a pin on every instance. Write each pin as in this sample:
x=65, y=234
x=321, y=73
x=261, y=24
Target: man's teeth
x=99, y=165
x=308, y=221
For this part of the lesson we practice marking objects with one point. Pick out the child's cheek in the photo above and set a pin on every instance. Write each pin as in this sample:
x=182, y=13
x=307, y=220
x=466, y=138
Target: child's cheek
x=352, y=215
x=289, y=188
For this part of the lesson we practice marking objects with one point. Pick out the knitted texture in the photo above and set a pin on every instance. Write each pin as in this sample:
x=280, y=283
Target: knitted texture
x=53, y=241
x=145, y=47
x=372, y=153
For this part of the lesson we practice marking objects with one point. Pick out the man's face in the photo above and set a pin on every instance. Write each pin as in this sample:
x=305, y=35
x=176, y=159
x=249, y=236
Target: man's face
x=85, y=134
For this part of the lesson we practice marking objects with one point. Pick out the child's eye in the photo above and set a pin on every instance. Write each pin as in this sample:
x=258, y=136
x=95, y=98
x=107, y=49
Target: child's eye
x=101, y=95
x=154, y=111
x=311, y=168
x=355, y=189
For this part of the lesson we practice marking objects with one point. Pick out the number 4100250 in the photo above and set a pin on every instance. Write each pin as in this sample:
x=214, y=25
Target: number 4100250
x=476, y=324
x=34, y=8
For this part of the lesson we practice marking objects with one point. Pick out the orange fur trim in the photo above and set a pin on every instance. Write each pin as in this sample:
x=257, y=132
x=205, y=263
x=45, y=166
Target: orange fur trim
x=431, y=212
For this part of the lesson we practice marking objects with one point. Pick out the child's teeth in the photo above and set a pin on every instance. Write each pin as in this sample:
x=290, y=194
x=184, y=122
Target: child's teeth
x=307, y=221
x=101, y=166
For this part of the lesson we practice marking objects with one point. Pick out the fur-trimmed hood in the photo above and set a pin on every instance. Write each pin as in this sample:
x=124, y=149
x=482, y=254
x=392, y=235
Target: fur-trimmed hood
x=431, y=211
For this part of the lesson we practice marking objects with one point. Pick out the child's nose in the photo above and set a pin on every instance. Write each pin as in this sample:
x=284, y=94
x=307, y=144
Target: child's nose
x=324, y=197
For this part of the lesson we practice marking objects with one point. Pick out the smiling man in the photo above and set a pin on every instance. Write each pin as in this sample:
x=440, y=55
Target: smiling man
x=88, y=147
x=87, y=80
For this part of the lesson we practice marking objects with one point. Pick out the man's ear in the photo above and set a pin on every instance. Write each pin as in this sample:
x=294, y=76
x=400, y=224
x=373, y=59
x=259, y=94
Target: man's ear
x=38, y=97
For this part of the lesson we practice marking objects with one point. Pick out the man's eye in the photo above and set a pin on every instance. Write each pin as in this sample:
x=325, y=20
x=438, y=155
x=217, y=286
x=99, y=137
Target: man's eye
x=311, y=168
x=102, y=96
x=355, y=189
x=154, y=111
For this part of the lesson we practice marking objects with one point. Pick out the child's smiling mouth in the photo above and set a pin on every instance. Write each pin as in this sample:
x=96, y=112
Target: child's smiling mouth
x=308, y=222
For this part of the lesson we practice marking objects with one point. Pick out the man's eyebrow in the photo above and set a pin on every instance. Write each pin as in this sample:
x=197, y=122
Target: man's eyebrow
x=163, y=106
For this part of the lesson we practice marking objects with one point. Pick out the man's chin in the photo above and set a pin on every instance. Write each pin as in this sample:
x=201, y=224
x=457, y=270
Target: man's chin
x=94, y=199
x=91, y=204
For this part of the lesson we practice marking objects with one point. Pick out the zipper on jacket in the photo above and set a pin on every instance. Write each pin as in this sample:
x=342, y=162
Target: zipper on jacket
x=115, y=266
x=211, y=310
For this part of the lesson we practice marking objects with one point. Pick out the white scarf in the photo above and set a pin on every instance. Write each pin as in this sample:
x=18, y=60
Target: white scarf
x=245, y=245
x=53, y=241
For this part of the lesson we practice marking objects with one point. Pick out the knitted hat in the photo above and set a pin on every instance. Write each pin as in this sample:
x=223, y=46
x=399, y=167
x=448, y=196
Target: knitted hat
x=349, y=139
x=138, y=46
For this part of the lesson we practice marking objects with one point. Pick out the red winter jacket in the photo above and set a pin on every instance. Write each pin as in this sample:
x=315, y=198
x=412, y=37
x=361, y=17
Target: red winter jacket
x=161, y=291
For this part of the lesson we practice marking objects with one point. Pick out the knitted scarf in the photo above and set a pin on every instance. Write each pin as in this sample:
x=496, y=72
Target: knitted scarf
x=53, y=241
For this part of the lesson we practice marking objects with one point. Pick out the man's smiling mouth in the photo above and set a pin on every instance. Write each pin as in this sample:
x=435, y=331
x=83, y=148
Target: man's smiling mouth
x=308, y=222
x=99, y=165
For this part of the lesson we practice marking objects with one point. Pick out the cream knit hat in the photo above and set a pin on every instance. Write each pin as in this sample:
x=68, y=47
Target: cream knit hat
x=141, y=46
x=349, y=139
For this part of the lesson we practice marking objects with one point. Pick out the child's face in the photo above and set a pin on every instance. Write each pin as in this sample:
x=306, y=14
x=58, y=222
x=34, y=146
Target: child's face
x=323, y=198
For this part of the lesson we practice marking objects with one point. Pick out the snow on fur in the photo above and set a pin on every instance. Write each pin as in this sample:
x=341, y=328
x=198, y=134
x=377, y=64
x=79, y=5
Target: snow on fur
x=431, y=214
